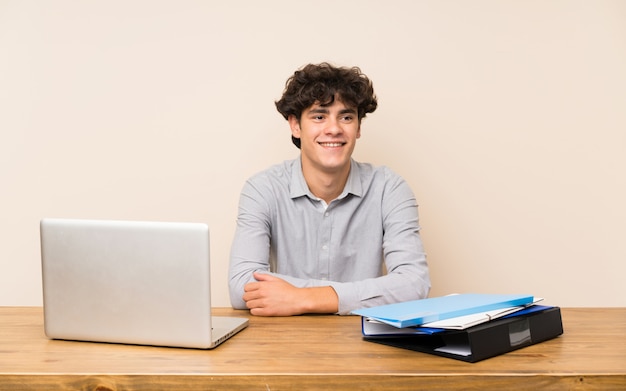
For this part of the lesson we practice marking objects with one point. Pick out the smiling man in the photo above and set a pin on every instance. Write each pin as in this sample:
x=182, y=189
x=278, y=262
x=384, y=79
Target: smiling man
x=323, y=233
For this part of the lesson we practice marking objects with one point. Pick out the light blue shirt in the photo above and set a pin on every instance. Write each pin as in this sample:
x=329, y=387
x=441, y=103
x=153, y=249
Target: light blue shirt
x=372, y=227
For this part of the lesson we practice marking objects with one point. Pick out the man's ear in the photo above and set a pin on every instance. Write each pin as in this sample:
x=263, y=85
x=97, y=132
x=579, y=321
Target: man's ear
x=358, y=132
x=294, y=124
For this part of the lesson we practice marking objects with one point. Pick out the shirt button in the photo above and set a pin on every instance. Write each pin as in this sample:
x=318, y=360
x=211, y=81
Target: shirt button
x=324, y=247
x=326, y=214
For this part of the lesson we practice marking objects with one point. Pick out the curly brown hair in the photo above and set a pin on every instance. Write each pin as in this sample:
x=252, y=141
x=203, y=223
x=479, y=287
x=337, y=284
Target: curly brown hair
x=322, y=84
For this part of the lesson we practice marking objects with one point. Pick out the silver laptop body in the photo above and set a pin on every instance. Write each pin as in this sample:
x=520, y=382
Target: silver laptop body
x=145, y=283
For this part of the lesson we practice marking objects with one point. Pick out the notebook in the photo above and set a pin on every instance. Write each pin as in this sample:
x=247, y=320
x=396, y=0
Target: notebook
x=131, y=282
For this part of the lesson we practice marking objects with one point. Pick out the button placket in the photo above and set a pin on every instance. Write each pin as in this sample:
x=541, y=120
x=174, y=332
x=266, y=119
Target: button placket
x=325, y=238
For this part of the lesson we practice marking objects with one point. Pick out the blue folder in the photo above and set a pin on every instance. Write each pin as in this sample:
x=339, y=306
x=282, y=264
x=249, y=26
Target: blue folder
x=417, y=312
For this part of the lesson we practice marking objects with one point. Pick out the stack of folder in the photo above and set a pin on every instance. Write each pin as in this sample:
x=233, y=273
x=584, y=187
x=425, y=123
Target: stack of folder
x=467, y=327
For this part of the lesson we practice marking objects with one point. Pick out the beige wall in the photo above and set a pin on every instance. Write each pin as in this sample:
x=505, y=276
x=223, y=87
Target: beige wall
x=508, y=119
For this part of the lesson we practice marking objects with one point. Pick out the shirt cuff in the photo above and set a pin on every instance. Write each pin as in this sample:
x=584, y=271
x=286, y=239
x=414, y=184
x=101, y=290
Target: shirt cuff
x=348, y=300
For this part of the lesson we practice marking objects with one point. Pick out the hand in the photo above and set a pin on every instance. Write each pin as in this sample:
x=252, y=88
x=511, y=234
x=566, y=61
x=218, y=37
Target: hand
x=273, y=296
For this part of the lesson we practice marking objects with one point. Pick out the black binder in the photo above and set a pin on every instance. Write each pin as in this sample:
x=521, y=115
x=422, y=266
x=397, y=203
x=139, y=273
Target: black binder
x=484, y=340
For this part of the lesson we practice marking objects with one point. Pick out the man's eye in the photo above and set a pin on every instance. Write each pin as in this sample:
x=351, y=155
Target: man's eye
x=348, y=118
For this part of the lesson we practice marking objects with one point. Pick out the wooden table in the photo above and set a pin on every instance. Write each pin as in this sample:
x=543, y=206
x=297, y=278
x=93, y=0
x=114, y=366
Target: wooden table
x=309, y=352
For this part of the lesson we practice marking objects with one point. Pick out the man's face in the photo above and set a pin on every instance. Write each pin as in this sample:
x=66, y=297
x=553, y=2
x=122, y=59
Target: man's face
x=327, y=136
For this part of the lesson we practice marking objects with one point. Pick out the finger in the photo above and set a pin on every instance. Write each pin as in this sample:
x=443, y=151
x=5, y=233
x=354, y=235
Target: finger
x=255, y=305
x=256, y=311
x=251, y=295
x=264, y=277
x=251, y=286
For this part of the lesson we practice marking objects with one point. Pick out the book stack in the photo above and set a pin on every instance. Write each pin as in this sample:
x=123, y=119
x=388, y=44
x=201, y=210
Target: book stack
x=469, y=327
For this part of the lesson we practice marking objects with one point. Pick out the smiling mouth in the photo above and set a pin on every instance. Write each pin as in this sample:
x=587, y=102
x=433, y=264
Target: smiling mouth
x=331, y=144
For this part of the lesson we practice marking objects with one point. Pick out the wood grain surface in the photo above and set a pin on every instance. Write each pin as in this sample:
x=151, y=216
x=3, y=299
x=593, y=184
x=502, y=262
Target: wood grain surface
x=309, y=352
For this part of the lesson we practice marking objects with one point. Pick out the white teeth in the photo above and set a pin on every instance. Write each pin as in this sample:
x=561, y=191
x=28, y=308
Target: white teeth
x=331, y=144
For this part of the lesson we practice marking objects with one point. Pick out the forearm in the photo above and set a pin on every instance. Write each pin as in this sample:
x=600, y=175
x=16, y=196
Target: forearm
x=387, y=289
x=321, y=300
x=293, y=301
x=269, y=295
x=408, y=282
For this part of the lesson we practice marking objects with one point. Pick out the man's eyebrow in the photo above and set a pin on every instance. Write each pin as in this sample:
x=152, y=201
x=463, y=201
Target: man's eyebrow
x=319, y=110
x=323, y=110
x=348, y=111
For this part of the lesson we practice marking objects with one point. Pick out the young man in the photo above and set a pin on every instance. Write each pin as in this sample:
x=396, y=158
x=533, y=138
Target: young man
x=315, y=234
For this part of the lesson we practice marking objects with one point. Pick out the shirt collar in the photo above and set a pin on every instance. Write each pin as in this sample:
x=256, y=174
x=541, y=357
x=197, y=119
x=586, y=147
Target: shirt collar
x=299, y=187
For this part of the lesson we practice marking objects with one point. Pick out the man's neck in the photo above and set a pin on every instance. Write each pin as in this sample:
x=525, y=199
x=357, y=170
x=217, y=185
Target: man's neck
x=326, y=185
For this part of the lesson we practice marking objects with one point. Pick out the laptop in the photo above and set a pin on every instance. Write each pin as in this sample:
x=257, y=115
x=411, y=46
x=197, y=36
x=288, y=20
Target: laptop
x=131, y=282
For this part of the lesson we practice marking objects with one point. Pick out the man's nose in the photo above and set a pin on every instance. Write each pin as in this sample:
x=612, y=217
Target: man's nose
x=334, y=127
